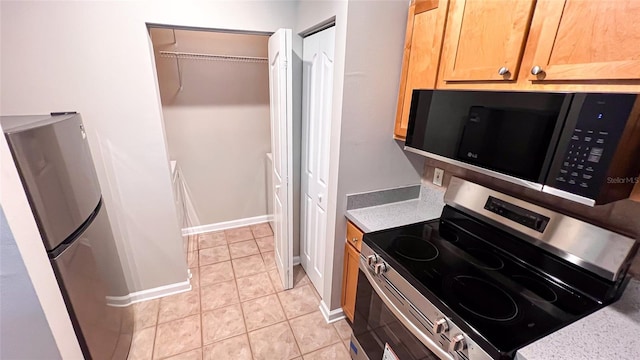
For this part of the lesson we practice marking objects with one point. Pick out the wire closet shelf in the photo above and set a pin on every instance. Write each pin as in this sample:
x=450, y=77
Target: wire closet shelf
x=213, y=57
x=178, y=55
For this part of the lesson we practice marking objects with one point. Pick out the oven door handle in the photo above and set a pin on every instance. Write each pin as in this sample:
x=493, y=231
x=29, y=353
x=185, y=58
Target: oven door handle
x=424, y=339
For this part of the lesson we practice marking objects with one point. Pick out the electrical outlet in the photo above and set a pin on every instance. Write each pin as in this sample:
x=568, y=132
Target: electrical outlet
x=438, y=175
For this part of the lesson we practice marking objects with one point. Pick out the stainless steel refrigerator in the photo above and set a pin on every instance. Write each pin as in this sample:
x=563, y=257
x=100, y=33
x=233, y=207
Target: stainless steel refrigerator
x=55, y=165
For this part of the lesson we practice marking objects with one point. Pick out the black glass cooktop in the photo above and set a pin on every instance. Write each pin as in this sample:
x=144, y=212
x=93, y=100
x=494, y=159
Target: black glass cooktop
x=501, y=291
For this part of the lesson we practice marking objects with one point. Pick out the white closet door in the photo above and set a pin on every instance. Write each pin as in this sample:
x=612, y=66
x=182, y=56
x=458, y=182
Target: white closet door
x=280, y=95
x=318, y=62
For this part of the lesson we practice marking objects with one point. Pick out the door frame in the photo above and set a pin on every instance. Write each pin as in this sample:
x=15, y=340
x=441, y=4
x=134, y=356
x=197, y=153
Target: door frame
x=294, y=68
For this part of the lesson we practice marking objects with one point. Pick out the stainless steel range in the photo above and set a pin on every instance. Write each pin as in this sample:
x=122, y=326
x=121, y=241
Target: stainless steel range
x=492, y=275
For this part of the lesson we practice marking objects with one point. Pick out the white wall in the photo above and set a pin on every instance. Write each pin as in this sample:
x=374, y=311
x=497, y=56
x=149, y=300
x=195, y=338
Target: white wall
x=217, y=126
x=369, y=46
x=370, y=159
x=94, y=57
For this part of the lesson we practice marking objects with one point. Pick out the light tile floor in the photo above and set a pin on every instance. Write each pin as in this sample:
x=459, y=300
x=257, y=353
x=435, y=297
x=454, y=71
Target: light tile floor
x=237, y=308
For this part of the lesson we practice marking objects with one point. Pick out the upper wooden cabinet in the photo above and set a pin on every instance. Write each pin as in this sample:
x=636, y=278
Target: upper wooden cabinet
x=485, y=39
x=519, y=45
x=423, y=42
x=586, y=40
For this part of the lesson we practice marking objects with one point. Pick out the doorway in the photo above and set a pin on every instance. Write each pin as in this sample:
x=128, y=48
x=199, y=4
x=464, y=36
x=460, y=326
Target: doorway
x=220, y=94
x=317, y=84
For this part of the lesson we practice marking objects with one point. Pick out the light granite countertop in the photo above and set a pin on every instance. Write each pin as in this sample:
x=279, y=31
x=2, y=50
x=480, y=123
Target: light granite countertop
x=426, y=204
x=609, y=333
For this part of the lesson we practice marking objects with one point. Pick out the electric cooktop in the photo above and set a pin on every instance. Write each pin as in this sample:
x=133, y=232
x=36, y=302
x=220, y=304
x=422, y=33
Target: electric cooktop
x=504, y=292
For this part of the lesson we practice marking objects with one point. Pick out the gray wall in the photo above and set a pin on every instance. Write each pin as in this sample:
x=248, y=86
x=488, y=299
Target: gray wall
x=368, y=59
x=310, y=14
x=24, y=331
x=369, y=157
x=217, y=127
x=96, y=58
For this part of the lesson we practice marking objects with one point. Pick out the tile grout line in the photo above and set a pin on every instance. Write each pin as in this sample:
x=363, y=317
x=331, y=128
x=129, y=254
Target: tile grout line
x=180, y=353
x=155, y=332
x=299, y=316
x=244, y=321
x=289, y=323
x=240, y=302
x=201, y=312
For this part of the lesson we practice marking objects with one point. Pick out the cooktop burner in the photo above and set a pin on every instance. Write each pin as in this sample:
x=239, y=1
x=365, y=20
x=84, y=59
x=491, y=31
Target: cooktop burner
x=485, y=259
x=470, y=269
x=414, y=248
x=538, y=290
x=488, y=301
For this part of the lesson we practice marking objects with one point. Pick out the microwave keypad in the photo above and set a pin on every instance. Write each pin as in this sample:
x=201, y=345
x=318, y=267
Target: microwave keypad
x=585, y=150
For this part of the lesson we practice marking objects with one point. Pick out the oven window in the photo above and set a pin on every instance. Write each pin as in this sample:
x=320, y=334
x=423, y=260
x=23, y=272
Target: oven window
x=375, y=325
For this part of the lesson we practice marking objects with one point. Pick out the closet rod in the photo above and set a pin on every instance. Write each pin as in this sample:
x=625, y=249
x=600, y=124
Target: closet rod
x=199, y=56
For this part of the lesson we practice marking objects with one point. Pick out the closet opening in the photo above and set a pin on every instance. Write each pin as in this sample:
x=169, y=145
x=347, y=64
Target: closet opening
x=214, y=90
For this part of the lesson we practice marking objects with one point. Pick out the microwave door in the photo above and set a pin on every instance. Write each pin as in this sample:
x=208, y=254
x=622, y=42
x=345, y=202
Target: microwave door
x=475, y=143
x=511, y=141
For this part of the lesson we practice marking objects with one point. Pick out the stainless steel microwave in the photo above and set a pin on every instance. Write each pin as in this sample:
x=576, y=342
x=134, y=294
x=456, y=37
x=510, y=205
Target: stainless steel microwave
x=580, y=146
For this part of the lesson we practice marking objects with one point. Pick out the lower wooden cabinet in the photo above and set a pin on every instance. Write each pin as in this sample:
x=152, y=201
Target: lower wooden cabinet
x=350, y=270
x=350, y=280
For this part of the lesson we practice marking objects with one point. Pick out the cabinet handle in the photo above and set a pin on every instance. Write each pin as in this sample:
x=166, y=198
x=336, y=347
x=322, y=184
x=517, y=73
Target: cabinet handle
x=536, y=70
x=354, y=240
x=503, y=70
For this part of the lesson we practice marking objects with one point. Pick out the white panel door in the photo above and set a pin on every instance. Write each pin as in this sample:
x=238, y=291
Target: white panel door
x=280, y=100
x=317, y=92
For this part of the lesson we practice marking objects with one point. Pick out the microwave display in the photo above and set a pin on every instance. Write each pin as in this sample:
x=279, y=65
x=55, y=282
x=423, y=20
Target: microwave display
x=505, y=132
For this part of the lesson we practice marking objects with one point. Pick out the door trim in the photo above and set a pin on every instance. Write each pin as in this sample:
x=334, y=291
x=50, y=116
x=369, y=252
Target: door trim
x=318, y=27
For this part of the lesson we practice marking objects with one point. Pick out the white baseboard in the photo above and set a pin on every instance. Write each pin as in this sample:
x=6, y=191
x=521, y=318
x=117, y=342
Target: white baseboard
x=226, y=225
x=331, y=316
x=296, y=260
x=149, y=294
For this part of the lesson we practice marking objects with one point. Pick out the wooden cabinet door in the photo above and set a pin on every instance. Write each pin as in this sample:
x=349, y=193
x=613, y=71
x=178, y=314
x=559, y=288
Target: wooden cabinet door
x=587, y=40
x=350, y=280
x=423, y=44
x=485, y=39
x=354, y=236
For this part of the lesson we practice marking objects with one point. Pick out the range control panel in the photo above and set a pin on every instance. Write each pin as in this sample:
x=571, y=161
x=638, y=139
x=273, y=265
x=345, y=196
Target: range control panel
x=592, y=143
x=515, y=213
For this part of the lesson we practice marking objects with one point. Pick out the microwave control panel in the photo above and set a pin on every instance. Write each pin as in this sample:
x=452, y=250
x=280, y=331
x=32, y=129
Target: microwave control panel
x=592, y=144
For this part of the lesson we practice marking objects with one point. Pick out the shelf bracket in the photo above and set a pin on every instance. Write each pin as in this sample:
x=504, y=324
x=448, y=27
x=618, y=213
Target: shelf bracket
x=179, y=73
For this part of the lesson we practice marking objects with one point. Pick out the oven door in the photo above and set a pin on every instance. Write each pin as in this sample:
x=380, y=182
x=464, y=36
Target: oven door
x=378, y=323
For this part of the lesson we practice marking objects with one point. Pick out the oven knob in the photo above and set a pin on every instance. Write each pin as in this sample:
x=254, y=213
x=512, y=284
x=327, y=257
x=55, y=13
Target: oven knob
x=380, y=268
x=440, y=326
x=458, y=343
x=372, y=260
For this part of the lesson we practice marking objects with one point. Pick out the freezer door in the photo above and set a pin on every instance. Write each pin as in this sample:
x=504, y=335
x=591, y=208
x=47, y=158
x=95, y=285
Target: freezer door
x=58, y=174
x=88, y=271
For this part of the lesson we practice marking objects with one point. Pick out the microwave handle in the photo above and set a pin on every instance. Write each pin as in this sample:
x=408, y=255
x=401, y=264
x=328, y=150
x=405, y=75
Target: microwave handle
x=424, y=339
